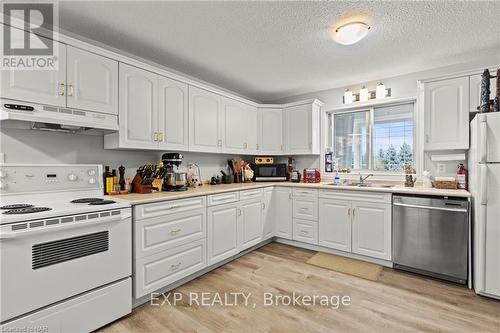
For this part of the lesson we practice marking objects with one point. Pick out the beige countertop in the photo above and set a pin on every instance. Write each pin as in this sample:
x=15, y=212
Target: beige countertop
x=136, y=199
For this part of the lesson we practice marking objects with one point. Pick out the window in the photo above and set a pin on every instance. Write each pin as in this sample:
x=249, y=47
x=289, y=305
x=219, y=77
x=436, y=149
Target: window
x=378, y=139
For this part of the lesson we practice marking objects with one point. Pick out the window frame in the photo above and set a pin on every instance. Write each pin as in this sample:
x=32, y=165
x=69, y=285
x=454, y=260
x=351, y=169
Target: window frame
x=330, y=135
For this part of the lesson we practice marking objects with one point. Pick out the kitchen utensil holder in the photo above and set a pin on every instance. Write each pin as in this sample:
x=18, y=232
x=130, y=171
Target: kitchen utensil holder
x=138, y=187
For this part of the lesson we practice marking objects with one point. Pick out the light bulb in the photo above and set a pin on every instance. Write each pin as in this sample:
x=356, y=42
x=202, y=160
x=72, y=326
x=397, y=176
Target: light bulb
x=363, y=94
x=380, y=91
x=348, y=97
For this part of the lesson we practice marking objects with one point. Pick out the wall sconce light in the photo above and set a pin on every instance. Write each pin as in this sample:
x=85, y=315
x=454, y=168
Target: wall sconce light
x=380, y=91
x=348, y=97
x=363, y=94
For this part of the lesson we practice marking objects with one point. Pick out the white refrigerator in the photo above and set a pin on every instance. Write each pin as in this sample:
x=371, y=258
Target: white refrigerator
x=484, y=184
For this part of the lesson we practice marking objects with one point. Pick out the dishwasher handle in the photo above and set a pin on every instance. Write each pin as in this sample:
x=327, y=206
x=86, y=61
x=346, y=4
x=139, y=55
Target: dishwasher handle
x=458, y=210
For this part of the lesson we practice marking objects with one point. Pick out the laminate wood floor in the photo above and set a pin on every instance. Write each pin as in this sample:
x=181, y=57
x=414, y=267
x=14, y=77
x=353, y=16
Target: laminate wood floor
x=397, y=302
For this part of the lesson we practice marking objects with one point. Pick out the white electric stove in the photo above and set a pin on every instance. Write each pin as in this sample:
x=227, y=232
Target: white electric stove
x=65, y=249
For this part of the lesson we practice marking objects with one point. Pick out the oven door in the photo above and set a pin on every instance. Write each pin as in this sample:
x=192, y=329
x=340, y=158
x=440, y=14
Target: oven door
x=46, y=261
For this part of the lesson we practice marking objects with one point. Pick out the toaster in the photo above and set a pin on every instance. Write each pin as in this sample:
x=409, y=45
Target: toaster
x=311, y=176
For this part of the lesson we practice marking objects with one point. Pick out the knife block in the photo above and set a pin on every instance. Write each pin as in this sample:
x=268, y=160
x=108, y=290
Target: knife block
x=138, y=187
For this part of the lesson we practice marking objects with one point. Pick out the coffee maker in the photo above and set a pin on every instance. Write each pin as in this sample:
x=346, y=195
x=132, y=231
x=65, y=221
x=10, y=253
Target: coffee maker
x=173, y=179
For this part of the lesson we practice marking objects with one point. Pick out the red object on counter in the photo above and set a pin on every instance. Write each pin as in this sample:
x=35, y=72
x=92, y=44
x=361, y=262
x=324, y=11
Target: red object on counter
x=463, y=177
x=311, y=176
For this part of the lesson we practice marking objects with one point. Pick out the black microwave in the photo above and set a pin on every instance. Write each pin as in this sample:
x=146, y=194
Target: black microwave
x=270, y=172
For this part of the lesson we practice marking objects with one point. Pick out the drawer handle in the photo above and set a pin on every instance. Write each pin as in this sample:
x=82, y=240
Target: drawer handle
x=304, y=232
x=176, y=231
x=174, y=207
x=175, y=267
x=304, y=210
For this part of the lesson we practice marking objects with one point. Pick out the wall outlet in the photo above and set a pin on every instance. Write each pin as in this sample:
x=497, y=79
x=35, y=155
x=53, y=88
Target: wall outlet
x=441, y=168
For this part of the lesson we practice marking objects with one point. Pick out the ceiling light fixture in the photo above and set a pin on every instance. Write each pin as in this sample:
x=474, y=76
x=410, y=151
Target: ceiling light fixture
x=351, y=33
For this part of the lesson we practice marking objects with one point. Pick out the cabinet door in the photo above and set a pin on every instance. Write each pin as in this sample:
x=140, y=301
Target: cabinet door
x=371, y=229
x=138, y=108
x=92, y=82
x=43, y=86
x=335, y=224
x=252, y=130
x=172, y=114
x=475, y=91
x=447, y=114
x=250, y=223
x=234, y=126
x=283, y=212
x=271, y=131
x=222, y=232
x=268, y=214
x=298, y=129
x=204, y=121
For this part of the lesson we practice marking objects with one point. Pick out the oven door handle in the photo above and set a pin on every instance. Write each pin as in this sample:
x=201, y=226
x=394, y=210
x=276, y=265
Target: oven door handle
x=62, y=227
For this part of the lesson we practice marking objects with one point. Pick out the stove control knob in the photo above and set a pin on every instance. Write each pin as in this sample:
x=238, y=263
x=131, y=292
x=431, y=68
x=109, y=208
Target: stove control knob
x=3, y=174
x=3, y=185
x=91, y=181
x=72, y=177
x=91, y=172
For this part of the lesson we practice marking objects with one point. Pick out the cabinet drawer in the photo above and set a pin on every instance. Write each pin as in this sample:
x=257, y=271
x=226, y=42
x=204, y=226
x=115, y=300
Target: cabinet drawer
x=161, y=269
x=305, y=231
x=304, y=192
x=219, y=199
x=168, y=231
x=251, y=194
x=168, y=207
x=305, y=208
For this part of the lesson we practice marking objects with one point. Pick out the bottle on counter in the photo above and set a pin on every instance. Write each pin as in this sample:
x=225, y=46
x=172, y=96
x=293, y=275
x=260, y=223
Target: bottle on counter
x=462, y=177
x=108, y=180
x=336, y=180
x=121, y=170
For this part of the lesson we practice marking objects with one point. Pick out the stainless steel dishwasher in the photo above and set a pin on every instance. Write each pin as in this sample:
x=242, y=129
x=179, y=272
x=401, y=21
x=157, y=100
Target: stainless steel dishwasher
x=430, y=236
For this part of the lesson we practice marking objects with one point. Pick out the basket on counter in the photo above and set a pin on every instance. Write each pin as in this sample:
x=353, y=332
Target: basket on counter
x=445, y=184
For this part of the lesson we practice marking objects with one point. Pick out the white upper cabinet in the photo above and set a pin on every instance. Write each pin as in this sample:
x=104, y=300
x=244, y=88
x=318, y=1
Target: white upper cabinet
x=234, y=126
x=92, y=82
x=172, y=114
x=270, y=131
x=475, y=91
x=205, y=123
x=138, y=108
x=371, y=229
x=252, y=130
x=446, y=114
x=42, y=86
x=302, y=128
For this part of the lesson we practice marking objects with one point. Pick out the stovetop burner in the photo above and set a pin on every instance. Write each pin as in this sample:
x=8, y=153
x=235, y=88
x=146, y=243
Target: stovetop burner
x=102, y=202
x=27, y=210
x=87, y=200
x=16, y=206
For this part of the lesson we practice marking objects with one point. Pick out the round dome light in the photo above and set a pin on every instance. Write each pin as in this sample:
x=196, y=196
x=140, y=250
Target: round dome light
x=351, y=33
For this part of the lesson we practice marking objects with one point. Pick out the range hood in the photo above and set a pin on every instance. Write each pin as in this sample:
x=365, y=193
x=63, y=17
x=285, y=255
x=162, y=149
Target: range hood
x=52, y=118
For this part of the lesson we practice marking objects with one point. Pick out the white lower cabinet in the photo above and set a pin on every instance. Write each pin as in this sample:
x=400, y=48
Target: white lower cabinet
x=335, y=224
x=268, y=214
x=283, y=212
x=250, y=223
x=163, y=268
x=360, y=224
x=222, y=232
x=305, y=231
x=371, y=229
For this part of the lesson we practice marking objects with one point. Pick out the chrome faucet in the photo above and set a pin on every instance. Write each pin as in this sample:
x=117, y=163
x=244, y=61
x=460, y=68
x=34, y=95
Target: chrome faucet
x=362, y=179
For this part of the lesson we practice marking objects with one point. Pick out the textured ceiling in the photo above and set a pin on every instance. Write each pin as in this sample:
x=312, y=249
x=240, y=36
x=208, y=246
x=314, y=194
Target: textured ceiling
x=270, y=50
